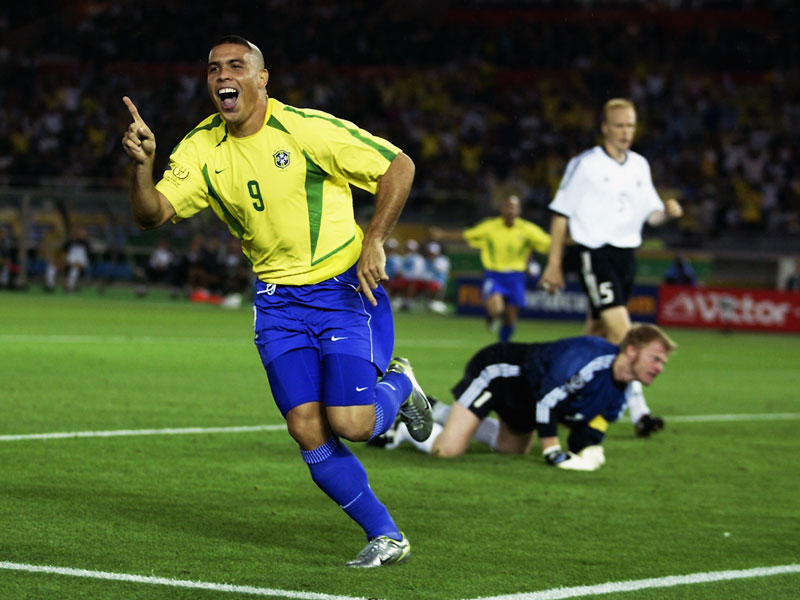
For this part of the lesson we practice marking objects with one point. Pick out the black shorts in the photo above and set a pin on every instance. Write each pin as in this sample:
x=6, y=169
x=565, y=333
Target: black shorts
x=495, y=380
x=607, y=274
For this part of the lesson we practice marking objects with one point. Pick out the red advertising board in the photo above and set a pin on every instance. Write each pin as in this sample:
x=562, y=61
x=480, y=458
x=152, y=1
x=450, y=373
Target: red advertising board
x=759, y=310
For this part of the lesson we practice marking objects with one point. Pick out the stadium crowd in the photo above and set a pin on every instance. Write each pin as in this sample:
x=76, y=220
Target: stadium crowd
x=487, y=97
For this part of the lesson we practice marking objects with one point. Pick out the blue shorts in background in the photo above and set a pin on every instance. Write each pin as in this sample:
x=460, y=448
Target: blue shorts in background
x=511, y=285
x=329, y=316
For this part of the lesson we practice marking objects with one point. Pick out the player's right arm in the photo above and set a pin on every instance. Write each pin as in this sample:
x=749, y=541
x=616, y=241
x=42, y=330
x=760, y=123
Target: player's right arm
x=552, y=278
x=149, y=206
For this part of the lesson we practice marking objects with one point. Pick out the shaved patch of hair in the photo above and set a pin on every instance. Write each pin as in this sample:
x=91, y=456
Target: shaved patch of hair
x=240, y=41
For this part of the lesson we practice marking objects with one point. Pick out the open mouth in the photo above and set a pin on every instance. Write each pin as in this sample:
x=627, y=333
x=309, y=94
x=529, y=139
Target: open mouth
x=228, y=97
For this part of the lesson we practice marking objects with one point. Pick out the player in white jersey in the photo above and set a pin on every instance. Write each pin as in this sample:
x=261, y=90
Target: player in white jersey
x=605, y=198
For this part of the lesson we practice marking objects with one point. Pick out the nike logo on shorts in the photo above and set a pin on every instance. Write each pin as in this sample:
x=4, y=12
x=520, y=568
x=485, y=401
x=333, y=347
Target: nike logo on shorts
x=336, y=339
x=360, y=389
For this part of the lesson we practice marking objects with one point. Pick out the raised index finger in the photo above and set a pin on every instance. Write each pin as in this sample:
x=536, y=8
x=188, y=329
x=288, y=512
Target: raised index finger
x=133, y=110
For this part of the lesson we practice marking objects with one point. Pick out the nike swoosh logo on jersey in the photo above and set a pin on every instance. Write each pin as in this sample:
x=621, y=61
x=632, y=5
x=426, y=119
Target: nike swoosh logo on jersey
x=336, y=339
x=219, y=171
x=360, y=389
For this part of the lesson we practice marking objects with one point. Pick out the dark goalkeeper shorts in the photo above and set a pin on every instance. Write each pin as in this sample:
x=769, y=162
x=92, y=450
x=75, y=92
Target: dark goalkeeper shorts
x=494, y=380
x=607, y=274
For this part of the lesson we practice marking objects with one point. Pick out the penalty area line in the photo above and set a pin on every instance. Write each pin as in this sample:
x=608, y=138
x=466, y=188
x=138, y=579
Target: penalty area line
x=643, y=584
x=179, y=583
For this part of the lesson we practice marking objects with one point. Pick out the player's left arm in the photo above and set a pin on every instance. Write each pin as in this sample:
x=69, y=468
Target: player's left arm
x=393, y=189
x=672, y=210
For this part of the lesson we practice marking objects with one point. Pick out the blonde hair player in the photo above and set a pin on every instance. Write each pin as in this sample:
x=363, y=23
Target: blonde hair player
x=605, y=198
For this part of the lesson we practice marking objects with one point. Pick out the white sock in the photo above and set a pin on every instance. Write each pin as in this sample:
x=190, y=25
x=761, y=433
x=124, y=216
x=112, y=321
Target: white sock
x=72, y=278
x=636, y=402
x=440, y=412
x=487, y=432
x=50, y=274
x=401, y=435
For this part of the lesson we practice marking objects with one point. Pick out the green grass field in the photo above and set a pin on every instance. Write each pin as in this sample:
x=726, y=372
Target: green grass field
x=239, y=508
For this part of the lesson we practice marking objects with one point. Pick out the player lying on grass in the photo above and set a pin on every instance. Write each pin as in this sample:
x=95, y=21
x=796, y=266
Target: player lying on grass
x=582, y=382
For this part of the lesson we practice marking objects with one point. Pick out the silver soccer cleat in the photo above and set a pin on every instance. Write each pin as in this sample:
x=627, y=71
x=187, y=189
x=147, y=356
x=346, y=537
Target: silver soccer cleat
x=381, y=552
x=416, y=411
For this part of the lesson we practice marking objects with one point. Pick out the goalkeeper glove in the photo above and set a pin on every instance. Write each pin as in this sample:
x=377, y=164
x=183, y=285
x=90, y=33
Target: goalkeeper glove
x=648, y=424
x=593, y=455
x=590, y=458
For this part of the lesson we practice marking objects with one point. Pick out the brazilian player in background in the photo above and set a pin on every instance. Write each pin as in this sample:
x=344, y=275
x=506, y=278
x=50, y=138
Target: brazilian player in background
x=279, y=177
x=506, y=243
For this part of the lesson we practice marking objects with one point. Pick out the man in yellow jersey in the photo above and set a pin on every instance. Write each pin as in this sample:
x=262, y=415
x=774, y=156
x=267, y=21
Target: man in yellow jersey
x=280, y=178
x=506, y=243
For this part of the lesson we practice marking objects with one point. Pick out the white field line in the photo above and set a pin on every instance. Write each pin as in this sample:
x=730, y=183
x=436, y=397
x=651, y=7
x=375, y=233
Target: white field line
x=113, y=339
x=553, y=594
x=617, y=587
x=130, y=432
x=179, y=583
x=11, y=338
x=252, y=428
x=725, y=418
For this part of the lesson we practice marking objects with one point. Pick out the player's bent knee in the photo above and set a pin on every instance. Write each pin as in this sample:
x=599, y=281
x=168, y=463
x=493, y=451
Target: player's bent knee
x=353, y=423
x=446, y=452
x=307, y=435
x=307, y=425
x=444, y=448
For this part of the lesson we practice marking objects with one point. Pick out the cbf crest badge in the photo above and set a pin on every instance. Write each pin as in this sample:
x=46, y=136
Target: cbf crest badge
x=281, y=159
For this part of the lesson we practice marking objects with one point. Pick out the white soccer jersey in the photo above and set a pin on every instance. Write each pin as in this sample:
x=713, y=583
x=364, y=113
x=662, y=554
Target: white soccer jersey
x=607, y=202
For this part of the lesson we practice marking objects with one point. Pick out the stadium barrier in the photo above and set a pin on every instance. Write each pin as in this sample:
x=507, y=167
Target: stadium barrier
x=667, y=305
x=569, y=304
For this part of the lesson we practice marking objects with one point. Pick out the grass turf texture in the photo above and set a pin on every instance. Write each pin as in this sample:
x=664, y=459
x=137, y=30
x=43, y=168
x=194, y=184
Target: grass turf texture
x=241, y=508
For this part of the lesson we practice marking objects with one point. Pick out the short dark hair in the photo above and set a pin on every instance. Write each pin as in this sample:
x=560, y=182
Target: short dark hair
x=233, y=39
x=240, y=41
x=641, y=334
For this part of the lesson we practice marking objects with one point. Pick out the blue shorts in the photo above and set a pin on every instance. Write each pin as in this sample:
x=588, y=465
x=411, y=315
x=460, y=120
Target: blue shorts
x=510, y=285
x=327, y=317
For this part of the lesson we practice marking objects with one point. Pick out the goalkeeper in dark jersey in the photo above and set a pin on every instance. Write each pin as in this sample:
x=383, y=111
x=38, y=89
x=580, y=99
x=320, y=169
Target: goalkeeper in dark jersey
x=581, y=382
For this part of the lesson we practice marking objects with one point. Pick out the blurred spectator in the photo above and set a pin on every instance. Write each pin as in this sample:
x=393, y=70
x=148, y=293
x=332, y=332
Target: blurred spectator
x=397, y=284
x=487, y=94
x=214, y=265
x=412, y=271
x=237, y=275
x=680, y=272
x=51, y=252
x=437, y=273
x=8, y=266
x=792, y=283
x=77, y=259
x=160, y=269
x=191, y=275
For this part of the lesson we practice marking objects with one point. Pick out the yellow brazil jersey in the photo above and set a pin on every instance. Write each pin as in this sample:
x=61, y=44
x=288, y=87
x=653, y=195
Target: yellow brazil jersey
x=504, y=248
x=284, y=191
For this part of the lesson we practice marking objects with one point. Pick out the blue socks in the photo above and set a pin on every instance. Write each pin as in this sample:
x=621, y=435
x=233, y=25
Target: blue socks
x=505, y=333
x=390, y=393
x=339, y=474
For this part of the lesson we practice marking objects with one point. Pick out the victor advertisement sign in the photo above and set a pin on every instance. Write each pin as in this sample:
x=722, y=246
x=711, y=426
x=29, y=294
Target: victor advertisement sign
x=722, y=308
